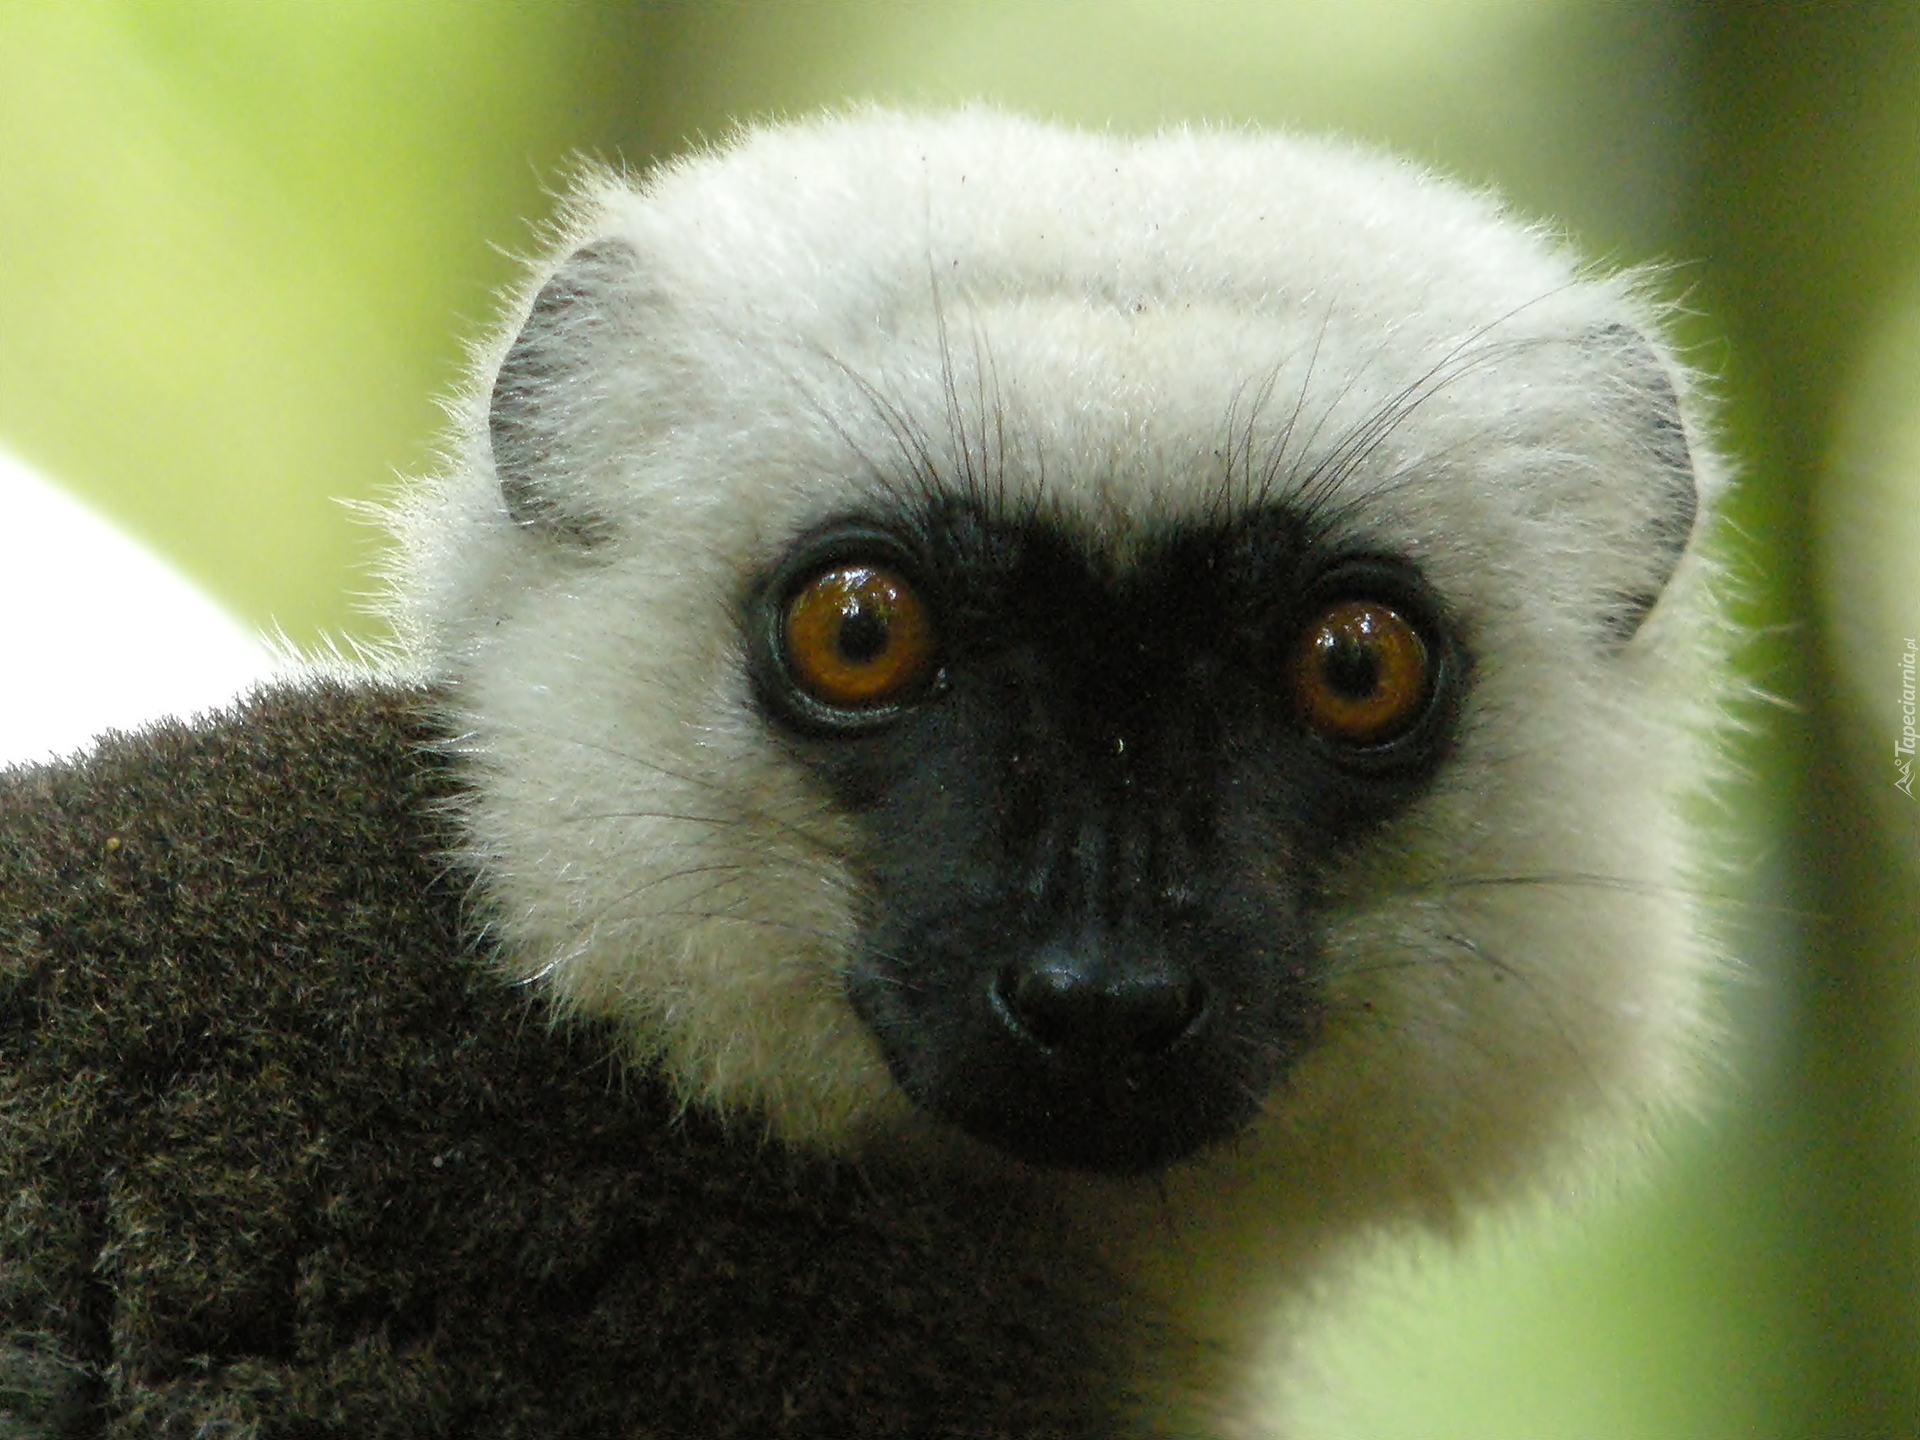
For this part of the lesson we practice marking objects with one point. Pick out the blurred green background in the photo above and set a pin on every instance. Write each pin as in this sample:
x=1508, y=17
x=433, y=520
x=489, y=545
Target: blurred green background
x=241, y=245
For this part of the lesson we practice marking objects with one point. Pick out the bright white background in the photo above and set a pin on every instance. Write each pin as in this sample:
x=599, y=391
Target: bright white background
x=97, y=632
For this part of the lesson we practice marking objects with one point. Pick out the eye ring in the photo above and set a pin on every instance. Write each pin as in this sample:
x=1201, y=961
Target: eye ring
x=844, y=637
x=1364, y=675
x=855, y=636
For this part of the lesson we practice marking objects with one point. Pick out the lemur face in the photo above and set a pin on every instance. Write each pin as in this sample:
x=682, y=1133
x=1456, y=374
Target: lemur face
x=1095, y=797
x=1134, y=650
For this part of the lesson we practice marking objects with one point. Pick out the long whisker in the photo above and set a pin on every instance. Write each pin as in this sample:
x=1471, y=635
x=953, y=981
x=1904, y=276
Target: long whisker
x=1315, y=486
x=1618, y=884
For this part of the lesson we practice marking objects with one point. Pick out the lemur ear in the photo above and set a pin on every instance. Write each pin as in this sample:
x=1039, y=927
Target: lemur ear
x=543, y=410
x=1650, y=404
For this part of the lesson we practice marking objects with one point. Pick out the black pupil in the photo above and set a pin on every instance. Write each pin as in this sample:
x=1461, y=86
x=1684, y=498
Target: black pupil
x=1352, y=669
x=863, y=632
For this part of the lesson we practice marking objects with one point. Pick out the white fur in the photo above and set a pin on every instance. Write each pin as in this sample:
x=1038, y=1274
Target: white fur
x=1134, y=329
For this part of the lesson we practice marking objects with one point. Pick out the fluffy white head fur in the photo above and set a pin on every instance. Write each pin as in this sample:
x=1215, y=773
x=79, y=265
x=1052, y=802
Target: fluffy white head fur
x=1133, y=330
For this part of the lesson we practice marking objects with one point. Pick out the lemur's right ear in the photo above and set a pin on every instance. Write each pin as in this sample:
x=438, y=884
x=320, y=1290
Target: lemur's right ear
x=544, y=410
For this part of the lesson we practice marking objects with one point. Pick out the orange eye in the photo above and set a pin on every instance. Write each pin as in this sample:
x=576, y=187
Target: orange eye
x=1362, y=675
x=856, y=637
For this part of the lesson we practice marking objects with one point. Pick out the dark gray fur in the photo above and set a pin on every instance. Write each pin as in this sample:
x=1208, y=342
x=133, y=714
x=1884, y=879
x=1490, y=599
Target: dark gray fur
x=285, y=1155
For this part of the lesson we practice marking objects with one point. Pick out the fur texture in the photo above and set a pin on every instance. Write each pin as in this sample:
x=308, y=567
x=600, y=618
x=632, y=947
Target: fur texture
x=1111, y=342
x=1126, y=333
x=283, y=1156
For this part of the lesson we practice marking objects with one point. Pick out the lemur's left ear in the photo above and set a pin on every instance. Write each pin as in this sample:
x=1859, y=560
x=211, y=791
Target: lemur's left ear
x=1650, y=402
x=542, y=413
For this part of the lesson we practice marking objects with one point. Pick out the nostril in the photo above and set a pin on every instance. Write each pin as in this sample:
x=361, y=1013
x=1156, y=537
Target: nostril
x=1158, y=1013
x=1134, y=1014
x=1042, y=1000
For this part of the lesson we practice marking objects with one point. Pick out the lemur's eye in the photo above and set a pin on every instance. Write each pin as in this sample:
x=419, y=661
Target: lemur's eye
x=1362, y=675
x=856, y=637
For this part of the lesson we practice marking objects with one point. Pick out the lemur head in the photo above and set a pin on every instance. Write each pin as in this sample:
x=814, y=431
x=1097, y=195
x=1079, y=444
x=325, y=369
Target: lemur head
x=1136, y=650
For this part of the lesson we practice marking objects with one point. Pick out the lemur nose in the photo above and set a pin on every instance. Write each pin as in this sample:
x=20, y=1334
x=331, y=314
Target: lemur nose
x=1095, y=1010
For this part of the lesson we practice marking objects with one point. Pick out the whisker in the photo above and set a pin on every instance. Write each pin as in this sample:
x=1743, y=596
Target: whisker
x=1626, y=885
x=1315, y=486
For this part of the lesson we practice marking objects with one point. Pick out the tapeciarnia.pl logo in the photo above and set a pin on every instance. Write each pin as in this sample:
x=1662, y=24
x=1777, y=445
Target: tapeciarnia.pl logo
x=1904, y=746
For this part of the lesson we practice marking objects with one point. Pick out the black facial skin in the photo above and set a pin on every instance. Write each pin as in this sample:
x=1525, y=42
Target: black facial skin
x=1093, y=837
